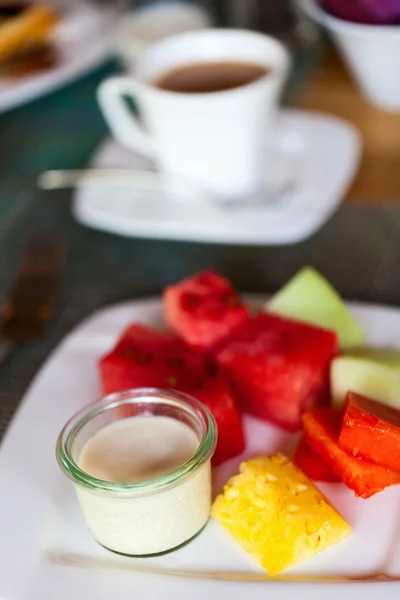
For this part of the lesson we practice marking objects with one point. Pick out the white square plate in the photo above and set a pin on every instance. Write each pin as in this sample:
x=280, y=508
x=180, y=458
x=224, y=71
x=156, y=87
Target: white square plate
x=46, y=553
x=315, y=153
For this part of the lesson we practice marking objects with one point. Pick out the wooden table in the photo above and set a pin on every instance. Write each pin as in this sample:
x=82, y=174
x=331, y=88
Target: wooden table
x=332, y=90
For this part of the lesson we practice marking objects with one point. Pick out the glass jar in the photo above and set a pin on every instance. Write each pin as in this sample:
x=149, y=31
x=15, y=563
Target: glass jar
x=148, y=517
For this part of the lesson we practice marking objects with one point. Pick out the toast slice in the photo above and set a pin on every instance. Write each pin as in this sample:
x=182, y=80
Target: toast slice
x=26, y=29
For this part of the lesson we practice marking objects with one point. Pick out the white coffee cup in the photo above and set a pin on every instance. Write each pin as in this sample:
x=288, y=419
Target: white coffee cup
x=214, y=139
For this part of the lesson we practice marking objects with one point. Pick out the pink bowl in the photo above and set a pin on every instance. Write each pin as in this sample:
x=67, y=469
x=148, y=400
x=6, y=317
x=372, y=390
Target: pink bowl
x=371, y=12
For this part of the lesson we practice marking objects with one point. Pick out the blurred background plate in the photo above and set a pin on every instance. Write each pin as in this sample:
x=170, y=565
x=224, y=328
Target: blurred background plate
x=82, y=42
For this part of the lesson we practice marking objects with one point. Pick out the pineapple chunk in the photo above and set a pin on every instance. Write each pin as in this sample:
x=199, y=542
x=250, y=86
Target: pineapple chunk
x=276, y=514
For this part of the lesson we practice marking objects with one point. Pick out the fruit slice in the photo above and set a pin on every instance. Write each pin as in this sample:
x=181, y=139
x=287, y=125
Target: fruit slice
x=278, y=368
x=322, y=426
x=216, y=395
x=366, y=377
x=310, y=297
x=372, y=431
x=276, y=514
x=389, y=357
x=146, y=357
x=312, y=464
x=203, y=309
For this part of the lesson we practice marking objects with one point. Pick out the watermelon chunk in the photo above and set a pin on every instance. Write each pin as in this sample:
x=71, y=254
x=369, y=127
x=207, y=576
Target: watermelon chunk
x=322, y=426
x=278, y=368
x=371, y=430
x=146, y=357
x=312, y=464
x=203, y=309
x=216, y=395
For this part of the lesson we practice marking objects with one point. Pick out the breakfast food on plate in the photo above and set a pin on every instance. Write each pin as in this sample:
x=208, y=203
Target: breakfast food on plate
x=270, y=366
x=144, y=482
x=203, y=309
x=366, y=377
x=312, y=464
x=390, y=357
x=277, y=515
x=372, y=431
x=322, y=428
x=277, y=367
x=280, y=365
x=310, y=297
x=215, y=394
x=24, y=37
x=146, y=357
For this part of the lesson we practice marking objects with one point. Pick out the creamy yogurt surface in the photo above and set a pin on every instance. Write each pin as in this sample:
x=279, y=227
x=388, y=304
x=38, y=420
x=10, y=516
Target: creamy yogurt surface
x=137, y=449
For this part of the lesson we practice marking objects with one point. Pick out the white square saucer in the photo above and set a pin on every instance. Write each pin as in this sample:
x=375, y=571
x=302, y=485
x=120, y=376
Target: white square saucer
x=318, y=154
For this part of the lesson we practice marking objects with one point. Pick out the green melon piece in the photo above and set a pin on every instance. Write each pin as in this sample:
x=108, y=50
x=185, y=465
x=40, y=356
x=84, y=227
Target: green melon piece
x=385, y=356
x=309, y=297
x=366, y=377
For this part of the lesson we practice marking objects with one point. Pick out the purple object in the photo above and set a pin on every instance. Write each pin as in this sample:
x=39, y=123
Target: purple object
x=372, y=12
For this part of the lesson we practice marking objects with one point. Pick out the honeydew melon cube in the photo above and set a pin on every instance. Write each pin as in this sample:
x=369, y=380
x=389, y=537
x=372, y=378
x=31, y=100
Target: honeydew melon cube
x=364, y=376
x=384, y=356
x=309, y=297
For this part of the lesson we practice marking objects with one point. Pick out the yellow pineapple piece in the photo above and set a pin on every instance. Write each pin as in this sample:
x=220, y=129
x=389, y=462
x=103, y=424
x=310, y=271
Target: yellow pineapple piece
x=276, y=514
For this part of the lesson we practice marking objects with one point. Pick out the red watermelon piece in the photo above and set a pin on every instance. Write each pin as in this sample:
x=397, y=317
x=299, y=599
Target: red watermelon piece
x=322, y=426
x=216, y=395
x=312, y=464
x=203, y=309
x=371, y=430
x=278, y=368
x=146, y=357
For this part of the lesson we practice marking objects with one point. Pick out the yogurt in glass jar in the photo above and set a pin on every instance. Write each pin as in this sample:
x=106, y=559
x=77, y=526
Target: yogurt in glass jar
x=140, y=461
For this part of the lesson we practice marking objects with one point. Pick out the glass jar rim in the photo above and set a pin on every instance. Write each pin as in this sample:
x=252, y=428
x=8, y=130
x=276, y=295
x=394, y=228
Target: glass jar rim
x=204, y=452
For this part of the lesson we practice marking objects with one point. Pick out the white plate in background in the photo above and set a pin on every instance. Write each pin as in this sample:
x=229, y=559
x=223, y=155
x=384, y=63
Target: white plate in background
x=40, y=517
x=317, y=153
x=81, y=39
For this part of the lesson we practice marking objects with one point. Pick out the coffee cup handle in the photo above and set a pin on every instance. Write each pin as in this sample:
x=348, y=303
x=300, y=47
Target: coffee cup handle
x=124, y=125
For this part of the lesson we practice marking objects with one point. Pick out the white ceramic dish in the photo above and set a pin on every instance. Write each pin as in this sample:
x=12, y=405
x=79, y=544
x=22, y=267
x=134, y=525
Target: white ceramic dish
x=372, y=53
x=319, y=154
x=46, y=552
x=82, y=42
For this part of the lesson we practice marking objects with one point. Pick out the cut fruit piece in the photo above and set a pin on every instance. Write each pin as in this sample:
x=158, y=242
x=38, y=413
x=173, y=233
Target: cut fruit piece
x=366, y=377
x=312, y=464
x=204, y=309
x=277, y=515
x=322, y=426
x=310, y=297
x=216, y=395
x=146, y=357
x=278, y=368
x=372, y=431
x=389, y=357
